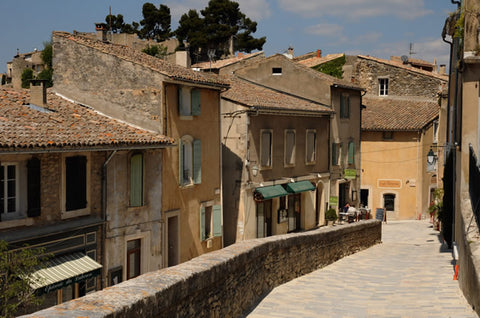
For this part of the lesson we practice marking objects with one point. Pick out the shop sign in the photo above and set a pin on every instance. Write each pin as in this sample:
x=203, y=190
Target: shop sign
x=350, y=173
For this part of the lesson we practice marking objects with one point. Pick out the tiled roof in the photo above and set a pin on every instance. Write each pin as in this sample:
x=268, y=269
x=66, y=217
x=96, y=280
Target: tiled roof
x=173, y=71
x=225, y=62
x=397, y=114
x=253, y=95
x=406, y=67
x=314, y=61
x=66, y=126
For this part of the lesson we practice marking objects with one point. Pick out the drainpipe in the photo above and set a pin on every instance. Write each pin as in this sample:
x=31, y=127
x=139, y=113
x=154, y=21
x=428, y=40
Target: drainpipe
x=104, y=215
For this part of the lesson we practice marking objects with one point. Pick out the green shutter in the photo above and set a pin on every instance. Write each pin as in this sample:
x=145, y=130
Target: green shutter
x=197, y=162
x=351, y=153
x=136, y=180
x=180, y=162
x=334, y=154
x=179, y=92
x=202, y=224
x=217, y=220
x=195, y=102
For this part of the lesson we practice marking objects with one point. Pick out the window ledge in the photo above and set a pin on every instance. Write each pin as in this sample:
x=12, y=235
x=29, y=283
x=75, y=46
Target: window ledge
x=75, y=213
x=311, y=163
x=14, y=223
x=184, y=117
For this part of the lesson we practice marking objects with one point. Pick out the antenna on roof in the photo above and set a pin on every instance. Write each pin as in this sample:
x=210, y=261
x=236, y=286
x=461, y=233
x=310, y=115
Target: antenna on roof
x=211, y=55
x=411, y=50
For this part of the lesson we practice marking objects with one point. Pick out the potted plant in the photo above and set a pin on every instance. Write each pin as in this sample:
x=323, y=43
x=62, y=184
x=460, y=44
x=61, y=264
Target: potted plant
x=331, y=216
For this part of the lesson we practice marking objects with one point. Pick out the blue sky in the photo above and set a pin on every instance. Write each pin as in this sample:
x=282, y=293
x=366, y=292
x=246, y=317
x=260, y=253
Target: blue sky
x=371, y=27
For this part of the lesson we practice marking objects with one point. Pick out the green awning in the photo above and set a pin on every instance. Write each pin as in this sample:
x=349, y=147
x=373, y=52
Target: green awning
x=271, y=192
x=64, y=270
x=300, y=186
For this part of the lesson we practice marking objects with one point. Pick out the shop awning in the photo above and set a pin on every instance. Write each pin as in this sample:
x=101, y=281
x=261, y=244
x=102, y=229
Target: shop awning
x=300, y=186
x=271, y=192
x=64, y=270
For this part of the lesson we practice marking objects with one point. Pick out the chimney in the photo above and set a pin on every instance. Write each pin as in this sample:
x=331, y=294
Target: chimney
x=101, y=31
x=240, y=54
x=38, y=92
x=319, y=53
x=182, y=58
x=290, y=51
x=442, y=70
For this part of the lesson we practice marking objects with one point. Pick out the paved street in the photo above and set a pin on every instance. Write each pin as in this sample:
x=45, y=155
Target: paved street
x=409, y=275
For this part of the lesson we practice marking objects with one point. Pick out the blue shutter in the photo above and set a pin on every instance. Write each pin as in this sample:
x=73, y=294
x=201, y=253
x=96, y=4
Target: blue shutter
x=136, y=180
x=197, y=162
x=351, y=153
x=180, y=162
x=195, y=102
x=217, y=220
x=202, y=224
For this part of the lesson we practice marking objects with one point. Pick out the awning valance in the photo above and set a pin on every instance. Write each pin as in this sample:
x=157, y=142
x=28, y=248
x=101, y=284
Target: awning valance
x=64, y=270
x=300, y=186
x=271, y=192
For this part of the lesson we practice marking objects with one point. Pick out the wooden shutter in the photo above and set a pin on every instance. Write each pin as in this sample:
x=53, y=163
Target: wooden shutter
x=180, y=100
x=195, y=102
x=351, y=153
x=33, y=187
x=180, y=162
x=342, y=106
x=136, y=180
x=334, y=154
x=202, y=224
x=76, y=183
x=217, y=220
x=197, y=162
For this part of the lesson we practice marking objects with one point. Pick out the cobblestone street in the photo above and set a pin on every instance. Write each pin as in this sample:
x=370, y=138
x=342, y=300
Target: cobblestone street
x=409, y=275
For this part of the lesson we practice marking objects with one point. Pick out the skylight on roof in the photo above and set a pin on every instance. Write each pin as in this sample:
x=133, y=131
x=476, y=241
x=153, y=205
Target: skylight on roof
x=40, y=109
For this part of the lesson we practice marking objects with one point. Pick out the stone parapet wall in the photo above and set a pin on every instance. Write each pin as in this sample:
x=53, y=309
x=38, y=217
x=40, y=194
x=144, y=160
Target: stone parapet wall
x=227, y=282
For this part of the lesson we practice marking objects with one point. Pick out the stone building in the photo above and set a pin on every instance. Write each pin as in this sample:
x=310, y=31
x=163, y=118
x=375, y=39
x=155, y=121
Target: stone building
x=172, y=100
x=54, y=155
x=20, y=62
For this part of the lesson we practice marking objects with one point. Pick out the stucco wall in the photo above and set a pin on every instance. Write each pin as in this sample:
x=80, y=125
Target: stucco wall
x=225, y=283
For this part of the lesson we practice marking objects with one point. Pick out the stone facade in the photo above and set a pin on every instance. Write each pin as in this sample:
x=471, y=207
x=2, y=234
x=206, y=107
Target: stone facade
x=224, y=283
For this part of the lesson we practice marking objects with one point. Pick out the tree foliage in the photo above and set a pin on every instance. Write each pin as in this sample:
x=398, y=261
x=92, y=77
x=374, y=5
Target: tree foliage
x=333, y=68
x=156, y=22
x=27, y=75
x=159, y=51
x=118, y=25
x=16, y=269
x=222, y=27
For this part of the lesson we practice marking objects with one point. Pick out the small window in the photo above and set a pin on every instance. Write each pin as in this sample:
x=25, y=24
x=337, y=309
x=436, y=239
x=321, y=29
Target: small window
x=266, y=148
x=387, y=135
x=311, y=143
x=289, y=147
x=383, y=86
x=336, y=154
x=344, y=106
x=133, y=258
x=276, y=71
x=9, y=182
x=136, y=180
x=389, y=201
x=210, y=221
x=188, y=101
x=190, y=161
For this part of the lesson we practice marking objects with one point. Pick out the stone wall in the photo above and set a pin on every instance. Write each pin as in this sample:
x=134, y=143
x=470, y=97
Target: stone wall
x=223, y=283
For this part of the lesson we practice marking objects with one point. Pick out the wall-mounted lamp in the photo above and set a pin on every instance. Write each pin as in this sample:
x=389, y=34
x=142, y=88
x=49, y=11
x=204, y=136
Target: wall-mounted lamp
x=254, y=170
x=431, y=157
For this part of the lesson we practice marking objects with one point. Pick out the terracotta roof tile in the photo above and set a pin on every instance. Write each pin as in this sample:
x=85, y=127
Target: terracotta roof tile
x=225, y=62
x=253, y=95
x=173, y=71
x=397, y=114
x=64, y=124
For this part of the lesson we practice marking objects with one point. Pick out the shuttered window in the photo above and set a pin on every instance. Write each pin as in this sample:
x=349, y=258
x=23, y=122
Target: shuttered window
x=311, y=153
x=266, y=148
x=344, y=106
x=351, y=153
x=188, y=101
x=190, y=161
x=33, y=187
x=75, y=183
x=210, y=221
x=136, y=180
x=195, y=102
x=335, y=153
x=289, y=147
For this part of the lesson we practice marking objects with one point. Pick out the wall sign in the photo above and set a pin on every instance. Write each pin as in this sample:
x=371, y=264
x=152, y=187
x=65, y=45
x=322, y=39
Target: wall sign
x=389, y=183
x=333, y=200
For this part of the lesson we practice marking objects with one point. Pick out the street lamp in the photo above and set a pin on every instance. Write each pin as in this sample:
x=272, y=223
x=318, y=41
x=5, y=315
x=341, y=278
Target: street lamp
x=430, y=157
x=254, y=170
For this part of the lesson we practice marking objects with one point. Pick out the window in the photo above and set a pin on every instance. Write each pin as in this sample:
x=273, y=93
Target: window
x=9, y=186
x=133, y=258
x=389, y=201
x=33, y=187
x=351, y=153
x=289, y=147
x=266, y=148
x=435, y=131
x=136, y=180
x=311, y=142
x=276, y=71
x=344, y=106
x=210, y=221
x=190, y=161
x=336, y=153
x=75, y=183
x=188, y=101
x=387, y=135
x=383, y=86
